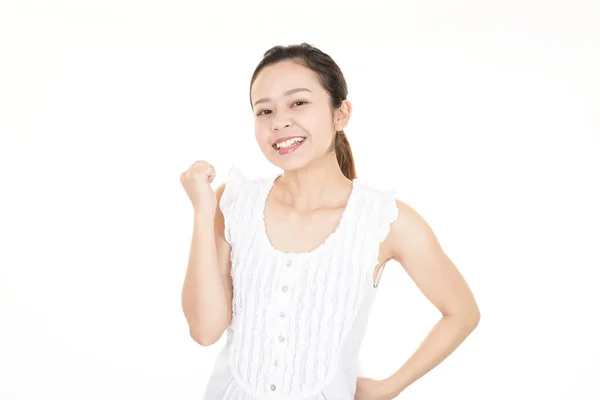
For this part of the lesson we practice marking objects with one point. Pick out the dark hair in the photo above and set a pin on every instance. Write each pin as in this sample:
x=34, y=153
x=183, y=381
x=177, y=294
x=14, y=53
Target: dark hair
x=331, y=79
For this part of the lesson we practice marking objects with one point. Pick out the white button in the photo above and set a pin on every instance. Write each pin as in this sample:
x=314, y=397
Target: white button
x=284, y=289
x=276, y=363
x=288, y=263
x=281, y=314
x=281, y=338
x=273, y=387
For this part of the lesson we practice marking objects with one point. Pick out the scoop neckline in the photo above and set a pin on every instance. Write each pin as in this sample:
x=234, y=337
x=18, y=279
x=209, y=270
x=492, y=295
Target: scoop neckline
x=325, y=243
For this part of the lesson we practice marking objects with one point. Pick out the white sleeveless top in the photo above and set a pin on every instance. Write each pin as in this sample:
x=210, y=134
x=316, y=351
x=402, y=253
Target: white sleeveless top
x=298, y=318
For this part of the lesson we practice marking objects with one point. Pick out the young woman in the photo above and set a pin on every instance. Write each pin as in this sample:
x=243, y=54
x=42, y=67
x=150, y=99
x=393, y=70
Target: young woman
x=289, y=266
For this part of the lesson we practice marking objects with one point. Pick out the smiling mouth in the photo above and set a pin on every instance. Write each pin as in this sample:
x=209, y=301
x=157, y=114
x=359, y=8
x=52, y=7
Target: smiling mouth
x=289, y=143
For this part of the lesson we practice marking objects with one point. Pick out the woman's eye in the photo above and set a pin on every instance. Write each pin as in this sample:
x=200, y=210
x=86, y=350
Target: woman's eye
x=296, y=102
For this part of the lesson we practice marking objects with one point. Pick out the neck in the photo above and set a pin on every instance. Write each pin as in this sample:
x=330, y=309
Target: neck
x=317, y=185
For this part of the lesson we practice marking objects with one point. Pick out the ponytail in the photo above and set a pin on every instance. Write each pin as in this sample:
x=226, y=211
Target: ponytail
x=343, y=153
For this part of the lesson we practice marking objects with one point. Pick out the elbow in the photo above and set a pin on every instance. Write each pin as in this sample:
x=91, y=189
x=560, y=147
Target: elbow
x=206, y=333
x=473, y=317
x=204, y=339
x=207, y=337
x=467, y=317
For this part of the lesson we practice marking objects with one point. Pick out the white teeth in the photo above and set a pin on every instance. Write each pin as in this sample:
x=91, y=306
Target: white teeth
x=288, y=143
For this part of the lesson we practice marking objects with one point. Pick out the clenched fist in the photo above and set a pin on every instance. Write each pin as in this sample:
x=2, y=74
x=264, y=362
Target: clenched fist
x=196, y=181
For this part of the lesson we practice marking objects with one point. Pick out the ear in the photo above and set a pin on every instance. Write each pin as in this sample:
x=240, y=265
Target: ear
x=342, y=114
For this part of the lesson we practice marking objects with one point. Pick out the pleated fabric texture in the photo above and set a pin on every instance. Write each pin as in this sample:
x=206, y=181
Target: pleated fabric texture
x=298, y=318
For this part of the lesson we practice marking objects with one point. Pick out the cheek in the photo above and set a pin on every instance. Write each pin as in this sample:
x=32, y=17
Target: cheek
x=320, y=130
x=259, y=130
x=261, y=134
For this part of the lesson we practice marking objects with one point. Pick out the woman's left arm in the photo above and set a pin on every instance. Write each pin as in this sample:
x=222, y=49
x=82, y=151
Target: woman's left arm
x=413, y=244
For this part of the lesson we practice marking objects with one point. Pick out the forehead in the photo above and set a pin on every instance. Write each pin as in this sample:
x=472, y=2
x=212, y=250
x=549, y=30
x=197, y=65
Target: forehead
x=273, y=80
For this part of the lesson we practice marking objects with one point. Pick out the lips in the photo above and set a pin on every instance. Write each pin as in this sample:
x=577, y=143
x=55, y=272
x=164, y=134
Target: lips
x=289, y=149
x=274, y=145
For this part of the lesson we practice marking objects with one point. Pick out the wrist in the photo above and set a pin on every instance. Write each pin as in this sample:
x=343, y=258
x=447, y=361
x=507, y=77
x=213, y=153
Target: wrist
x=203, y=214
x=387, y=389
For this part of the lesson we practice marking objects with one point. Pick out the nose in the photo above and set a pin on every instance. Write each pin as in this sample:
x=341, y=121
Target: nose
x=280, y=122
x=277, y=127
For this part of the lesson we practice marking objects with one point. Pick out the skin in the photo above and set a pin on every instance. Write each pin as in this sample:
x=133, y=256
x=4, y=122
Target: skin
x=312, y=180
x=312, y=177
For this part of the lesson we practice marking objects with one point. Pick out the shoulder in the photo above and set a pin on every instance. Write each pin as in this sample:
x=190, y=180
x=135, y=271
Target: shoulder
x=401, y=216
x=401, y=229
x=409, y=232
x=377, y=208
x=407, y=218
x=235, y=183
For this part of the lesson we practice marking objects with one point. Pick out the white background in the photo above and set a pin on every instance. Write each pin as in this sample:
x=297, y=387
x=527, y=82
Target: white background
x=484, y=116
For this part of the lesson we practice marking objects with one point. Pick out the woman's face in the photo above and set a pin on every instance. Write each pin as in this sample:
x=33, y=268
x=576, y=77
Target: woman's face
x=289, y=102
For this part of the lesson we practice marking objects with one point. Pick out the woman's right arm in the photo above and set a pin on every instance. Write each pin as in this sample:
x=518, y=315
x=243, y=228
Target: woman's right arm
x=207, y=290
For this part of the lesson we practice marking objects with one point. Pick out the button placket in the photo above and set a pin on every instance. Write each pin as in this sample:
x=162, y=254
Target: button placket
x=281, y=320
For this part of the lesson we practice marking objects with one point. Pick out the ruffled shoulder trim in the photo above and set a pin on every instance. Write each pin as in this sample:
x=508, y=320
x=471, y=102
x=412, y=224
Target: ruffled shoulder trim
x=235, y=181
x=387, y=215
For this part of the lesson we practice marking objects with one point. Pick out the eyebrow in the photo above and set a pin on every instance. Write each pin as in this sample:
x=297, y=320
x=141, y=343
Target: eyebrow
x=287, y=93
